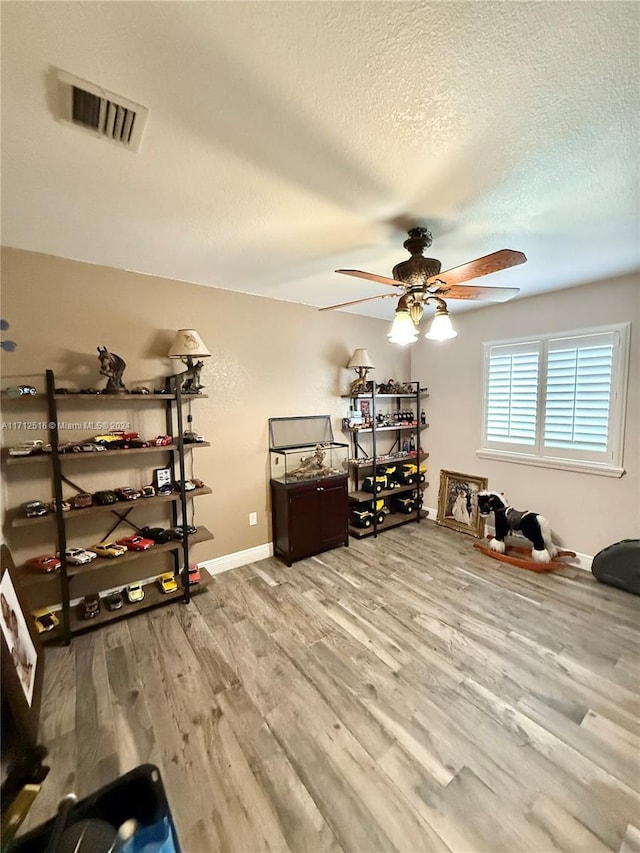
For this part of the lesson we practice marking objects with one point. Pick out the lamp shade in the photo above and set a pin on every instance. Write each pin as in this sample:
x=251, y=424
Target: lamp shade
x=361, y=358
x=441, y=328
x=188, y=342
x=403, y=330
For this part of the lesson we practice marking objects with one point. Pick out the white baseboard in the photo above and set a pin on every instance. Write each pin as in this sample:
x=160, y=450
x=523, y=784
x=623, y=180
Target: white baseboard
x=237, y=559
x=580, y=561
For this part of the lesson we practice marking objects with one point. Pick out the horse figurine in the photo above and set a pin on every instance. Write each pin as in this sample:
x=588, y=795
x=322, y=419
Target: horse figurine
x=112, y=366
x=534, y=526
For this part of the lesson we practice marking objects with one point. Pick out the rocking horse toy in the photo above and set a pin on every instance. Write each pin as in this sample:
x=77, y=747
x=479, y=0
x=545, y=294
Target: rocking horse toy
x=543, y=554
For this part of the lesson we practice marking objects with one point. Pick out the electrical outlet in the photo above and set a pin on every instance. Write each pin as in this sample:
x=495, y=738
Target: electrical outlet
x=253, y=518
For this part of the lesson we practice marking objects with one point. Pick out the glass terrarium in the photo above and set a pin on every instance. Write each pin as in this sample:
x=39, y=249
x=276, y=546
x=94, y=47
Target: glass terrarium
x=303, y=448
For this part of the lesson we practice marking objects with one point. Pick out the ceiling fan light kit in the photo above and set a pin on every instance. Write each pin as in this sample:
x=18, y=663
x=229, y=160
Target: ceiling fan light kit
x=419, y=281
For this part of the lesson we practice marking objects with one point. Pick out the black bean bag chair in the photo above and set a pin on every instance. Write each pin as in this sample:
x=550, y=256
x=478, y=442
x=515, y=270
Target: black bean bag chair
x=619, y=565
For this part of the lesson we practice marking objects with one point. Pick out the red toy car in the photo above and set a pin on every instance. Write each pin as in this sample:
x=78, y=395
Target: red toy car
x=136, y=543
x=44, y=563
x=162, y=441
x=194, y=574
x=129, y=439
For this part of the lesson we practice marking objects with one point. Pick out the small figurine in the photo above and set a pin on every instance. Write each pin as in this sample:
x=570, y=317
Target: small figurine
x=191, y=383
x=112, y=366
x=313, y=466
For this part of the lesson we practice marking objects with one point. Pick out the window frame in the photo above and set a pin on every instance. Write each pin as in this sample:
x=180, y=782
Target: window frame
x=571, y=459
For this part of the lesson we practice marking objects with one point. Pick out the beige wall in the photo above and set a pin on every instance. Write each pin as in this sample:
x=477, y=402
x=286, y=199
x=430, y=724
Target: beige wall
x=269, y=359
x=587, y=512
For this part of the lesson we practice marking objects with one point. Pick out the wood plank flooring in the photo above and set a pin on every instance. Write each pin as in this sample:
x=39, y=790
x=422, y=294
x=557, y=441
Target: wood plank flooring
x=403, y=694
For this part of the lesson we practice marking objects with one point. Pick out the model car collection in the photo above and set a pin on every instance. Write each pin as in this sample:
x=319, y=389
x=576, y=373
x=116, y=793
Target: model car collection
x=44, y=563
x=26, y=448
x=126, y=493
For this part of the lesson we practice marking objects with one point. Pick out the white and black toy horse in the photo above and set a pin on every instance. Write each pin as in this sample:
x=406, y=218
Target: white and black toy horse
x=532, y=525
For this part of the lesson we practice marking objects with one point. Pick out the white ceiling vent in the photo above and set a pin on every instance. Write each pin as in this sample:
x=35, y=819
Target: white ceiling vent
x=101, y=113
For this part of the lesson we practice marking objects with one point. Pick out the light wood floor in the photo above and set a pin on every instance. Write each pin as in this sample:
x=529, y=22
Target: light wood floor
x=404, y=694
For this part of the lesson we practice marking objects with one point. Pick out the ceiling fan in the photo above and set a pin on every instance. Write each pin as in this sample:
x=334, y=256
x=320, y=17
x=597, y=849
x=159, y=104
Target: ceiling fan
x=419, y=280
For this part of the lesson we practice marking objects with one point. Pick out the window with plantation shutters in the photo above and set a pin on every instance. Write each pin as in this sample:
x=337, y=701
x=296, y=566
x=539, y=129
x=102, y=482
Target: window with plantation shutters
x=557, y=401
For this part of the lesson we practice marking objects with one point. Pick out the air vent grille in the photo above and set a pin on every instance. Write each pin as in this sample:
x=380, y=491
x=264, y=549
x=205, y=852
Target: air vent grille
x=102, y=113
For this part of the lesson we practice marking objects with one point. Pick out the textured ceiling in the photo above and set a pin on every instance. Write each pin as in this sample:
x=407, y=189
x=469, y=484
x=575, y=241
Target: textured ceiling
x=285, y=139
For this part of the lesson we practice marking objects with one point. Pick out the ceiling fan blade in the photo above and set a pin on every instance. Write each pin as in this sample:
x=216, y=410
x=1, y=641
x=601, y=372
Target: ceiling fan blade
x=373, y=277
x=494, y=262
x=470, y=291
x=357, y=301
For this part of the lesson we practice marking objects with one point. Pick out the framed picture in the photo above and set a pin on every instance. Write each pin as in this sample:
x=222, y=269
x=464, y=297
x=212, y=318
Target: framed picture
x=22, y=653
x=365, y=409
x=162, y=478
x=458, y=502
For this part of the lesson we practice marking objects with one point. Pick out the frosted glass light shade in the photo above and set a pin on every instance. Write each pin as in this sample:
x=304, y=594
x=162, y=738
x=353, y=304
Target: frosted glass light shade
x=403, y=330
x=441, y=328
x=188, y=342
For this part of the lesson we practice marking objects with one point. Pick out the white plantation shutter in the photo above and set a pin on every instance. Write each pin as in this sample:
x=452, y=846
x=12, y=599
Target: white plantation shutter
x=512, y=394
x=578, y=399
x=558, y=401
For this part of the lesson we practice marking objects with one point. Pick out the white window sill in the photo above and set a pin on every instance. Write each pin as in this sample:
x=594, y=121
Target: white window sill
x=548, y=462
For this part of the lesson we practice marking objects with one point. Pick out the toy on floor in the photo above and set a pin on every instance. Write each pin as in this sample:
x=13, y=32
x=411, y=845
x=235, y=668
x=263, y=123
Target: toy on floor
x=531, y=524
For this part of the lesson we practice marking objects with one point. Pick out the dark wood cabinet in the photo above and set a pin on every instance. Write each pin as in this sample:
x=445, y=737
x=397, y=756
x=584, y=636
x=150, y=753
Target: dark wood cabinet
x=309, y=517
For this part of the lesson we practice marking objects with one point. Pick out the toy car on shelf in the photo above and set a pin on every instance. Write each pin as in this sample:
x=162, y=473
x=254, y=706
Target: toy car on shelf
x=89, y=606
x=194, y=574
x=108, y=549
x=408, y=474
x=105, y=497
x=79, y=556
x=126, y=493
x=88, y=447
x=63, y=447
x=190, y=437
x=34, y=509
x=111, y=442
x=167, y=582
x=158, y=534
x=82, y=500
x=134, y=593
x=403, y=503
x=140, y=389
x=27, y=448
x=65, y=506
x=135, y=543
x=361, y=516
x=177, y=532
x=114, y=601
x=162, y=441
x=189, y=486
x=129, y=439
x=44, y=563
x=20, y=391
x=45, y=619
x=148, y=491
x=377, y=484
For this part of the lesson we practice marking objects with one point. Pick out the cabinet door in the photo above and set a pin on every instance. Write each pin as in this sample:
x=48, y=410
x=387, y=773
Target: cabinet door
x=333, y=514
x=304, y=522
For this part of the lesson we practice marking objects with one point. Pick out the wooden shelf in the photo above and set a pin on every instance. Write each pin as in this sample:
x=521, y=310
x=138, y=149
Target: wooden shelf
x=406, y=459
x=361, y=495
x=153, y=598
x=106, y=454
x=423, y=393
x=19, y=520
x=394, y=519
x=121, y=398
x=44, y=589
x=368, y=430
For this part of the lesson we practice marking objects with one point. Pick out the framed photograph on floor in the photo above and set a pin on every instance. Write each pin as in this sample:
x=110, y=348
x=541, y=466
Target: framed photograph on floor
x=458, y=502
x=22, y=653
